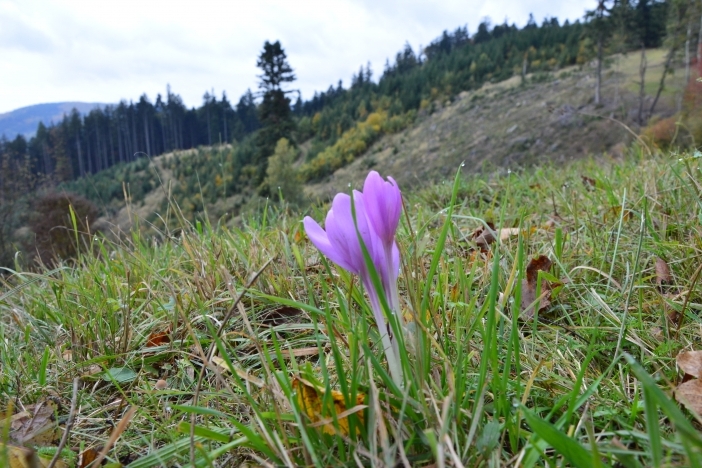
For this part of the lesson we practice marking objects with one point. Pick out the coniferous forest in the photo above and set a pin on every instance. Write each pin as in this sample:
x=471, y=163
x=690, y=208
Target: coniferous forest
x=336, y=125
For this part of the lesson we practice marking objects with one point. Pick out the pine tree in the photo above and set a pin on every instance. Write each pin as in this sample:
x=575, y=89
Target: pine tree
x=274, y=111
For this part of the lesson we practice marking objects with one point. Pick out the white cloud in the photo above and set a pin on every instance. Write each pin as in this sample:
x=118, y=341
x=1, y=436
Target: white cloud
x=99, y=51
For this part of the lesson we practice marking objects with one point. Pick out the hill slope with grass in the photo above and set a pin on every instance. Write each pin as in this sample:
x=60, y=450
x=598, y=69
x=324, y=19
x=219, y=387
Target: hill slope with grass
x=504, y=126
x=540, y=347
x=509, y=125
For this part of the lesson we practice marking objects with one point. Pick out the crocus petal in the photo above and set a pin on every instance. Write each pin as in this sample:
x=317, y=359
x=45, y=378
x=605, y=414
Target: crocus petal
x=383, y=205
x=342, y=232
x=320, y=239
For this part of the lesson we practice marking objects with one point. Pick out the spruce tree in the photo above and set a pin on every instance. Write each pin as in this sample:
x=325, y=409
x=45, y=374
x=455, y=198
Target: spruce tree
x=274, y=112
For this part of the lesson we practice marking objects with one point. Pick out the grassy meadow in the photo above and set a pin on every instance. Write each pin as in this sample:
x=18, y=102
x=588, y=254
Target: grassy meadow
x=217, y=346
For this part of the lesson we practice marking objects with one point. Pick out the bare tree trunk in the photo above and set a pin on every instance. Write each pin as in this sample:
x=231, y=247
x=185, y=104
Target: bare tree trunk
x=111, y=153
x=146, y=136
x=47, y=160
x=661, y=85
x=81, y=167
x=98, y=156
x=134, y=136
x=642, y=90
x=119, y=139
x=699, y=43
x=525, y=62
x=598, y=84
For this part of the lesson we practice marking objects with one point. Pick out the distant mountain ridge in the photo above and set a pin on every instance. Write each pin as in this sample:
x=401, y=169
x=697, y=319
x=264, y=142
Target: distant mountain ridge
x=24, y=121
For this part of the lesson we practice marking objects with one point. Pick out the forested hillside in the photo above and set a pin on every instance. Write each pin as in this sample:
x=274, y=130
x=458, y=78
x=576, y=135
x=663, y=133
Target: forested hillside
x=332, y=129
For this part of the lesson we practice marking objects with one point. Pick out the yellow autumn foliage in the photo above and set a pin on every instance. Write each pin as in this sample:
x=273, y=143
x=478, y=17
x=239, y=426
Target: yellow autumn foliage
x=310, y=399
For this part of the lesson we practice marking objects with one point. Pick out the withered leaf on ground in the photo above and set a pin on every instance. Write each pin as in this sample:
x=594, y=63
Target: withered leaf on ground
x=529, y=285
x=159, y=338
x=690, y=362
x=663, y=276
x=690, y=395
x=484, y=236
x=36, y=425
x=310, y=399
x=86, y=457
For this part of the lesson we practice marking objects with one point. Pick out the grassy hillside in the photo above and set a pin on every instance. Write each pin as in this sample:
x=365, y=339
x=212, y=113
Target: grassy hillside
x=501, y=126
x=551, y=118
x=490, y=377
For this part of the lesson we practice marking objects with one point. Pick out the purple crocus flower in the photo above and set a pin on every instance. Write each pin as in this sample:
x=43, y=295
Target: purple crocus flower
x=383, y=208
x=377, y=215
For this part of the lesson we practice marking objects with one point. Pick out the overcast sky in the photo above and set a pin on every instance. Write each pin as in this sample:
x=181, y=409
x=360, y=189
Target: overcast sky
x=104, y=51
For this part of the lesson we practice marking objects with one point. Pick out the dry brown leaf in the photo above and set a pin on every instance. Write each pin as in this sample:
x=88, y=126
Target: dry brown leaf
x=484, y=236
x=529, y=285
x=310, y=400
x=691, y=363
x=663, y=276
x=36, y=425
x=690, y=395
x=159, y=338
x=86, y=457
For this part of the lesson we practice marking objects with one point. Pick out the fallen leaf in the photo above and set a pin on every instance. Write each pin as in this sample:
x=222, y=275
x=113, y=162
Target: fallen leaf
x=691, y=363
x=36, y=425
x=310, y=399
x=529, y=286
x=663, y=276
x=86, y=457
x=541, y=263
x=690, y=395
x=484, y=236
x=20, y=457
x=158, y=338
